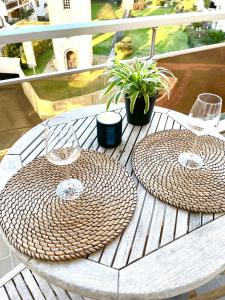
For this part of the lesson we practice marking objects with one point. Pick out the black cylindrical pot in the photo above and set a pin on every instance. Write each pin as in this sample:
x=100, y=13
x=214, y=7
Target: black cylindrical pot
x=138, y=117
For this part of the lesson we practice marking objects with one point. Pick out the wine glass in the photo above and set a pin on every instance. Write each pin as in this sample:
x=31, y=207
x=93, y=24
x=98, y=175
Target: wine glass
x=62, y=148
x=203, y=119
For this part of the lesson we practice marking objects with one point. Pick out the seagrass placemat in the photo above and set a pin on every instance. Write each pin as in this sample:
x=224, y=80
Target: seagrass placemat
x=155, y=162
x=39, y=224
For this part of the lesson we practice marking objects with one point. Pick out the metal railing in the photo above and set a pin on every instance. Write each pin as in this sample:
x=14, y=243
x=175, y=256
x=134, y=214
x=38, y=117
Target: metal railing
x=14, y=35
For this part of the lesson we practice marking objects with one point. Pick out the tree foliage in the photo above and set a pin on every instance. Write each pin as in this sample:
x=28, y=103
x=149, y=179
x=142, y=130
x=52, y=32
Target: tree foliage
x=26, y=13
x=106, y=13
x=124, y=48
x=185, y=5
x=207, y=3
x=204, y=36
x=16, y=50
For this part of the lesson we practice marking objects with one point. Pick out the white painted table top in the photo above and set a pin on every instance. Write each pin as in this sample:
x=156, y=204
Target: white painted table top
x=164, y=251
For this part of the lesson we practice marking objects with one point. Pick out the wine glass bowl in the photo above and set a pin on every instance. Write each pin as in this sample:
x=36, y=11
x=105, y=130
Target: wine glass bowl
x=203, y=119
x=205, y=114
x=62, y=148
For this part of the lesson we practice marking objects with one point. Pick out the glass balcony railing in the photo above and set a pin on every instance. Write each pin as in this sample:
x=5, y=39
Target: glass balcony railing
x=39, y=93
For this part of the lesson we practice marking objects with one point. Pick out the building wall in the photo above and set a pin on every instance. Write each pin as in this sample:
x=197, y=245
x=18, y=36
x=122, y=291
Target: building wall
x=80, y=11
x=3, y=14
x=127, y=4
x=220, y=5
x=39, y=7
x=3, y=10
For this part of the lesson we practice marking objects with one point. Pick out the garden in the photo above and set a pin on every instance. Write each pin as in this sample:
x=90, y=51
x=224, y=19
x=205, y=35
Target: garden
x=133, y=43
x=168, y=38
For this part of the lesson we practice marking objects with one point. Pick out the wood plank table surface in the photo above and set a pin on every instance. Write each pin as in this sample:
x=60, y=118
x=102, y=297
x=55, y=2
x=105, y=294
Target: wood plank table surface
x=164, y=251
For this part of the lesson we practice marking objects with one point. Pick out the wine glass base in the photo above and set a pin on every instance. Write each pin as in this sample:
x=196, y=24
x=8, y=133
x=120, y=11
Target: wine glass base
x=190, y=160
x=69, y=189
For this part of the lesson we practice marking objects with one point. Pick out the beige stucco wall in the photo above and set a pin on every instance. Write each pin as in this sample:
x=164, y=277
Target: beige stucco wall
x=80, y=11
x=10, y=65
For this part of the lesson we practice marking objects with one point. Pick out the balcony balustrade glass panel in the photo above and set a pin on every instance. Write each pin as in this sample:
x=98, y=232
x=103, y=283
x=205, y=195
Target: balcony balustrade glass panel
x=196, y=73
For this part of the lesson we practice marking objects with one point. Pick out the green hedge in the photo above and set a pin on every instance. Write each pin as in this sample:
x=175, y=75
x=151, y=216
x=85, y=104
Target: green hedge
x=16, y=50
x=204, y=36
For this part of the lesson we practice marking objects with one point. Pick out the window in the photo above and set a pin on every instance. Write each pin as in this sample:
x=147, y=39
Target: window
x=66, y=4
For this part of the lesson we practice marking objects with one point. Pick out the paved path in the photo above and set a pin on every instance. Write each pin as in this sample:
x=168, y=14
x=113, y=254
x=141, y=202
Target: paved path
x=50, y=68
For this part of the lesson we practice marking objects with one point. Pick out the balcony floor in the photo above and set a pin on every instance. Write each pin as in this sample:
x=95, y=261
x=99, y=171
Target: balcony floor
x=197, y=72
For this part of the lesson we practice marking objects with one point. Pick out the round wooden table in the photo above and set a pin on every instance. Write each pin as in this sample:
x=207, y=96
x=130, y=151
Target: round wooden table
x=164, y=251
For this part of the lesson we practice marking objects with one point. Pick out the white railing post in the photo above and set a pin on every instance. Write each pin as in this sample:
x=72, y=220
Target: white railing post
x=152, y=47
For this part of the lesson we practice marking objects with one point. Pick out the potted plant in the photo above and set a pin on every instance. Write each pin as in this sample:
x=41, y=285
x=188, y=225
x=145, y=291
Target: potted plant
x=140, y=83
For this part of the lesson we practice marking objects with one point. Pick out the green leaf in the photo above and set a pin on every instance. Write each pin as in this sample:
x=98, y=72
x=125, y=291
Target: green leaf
x=133, y=99
x=140, y=78
x=146, y=97
x=109, y=102
x=117, y=97
x=111, y=86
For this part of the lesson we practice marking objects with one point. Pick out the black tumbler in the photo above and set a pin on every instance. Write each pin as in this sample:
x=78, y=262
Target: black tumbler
x=109, y=129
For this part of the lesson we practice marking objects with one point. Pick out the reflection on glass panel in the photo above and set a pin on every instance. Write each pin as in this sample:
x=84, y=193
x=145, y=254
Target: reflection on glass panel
x=197, y=73
x=35, y=101
x=168, y=38
x=69, y=92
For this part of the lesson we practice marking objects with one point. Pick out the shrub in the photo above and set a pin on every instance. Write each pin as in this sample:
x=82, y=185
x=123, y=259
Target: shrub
x=106, y=13
x=185, y=5
x=26, y=13
x=213, y=36
x=207, y=3
x=41, y=47
x=124, y=48
x=204, y=36
x=12, y=50
x=127, y=39
x=16, y=50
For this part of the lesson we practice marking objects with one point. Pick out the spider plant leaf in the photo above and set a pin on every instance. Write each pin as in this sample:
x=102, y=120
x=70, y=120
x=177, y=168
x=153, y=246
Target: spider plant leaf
x=109, y=102
x=166, y=81
x=166, y=71
x=118, y=96
x=138, y=68
x=146, y=97
x=147, y=64
x=111, y=86
x=133, y=99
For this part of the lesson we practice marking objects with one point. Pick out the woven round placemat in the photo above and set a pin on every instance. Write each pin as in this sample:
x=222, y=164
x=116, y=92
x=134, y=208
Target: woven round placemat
x=39, y=224
x=155, y=162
